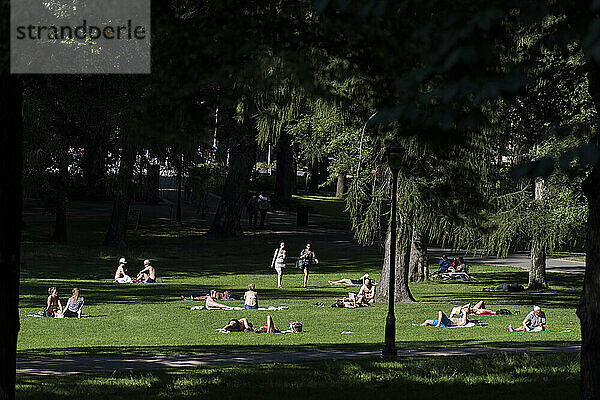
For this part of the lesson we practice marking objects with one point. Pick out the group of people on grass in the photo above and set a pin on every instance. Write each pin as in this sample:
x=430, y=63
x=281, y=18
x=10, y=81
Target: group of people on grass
x=456, y=265
x=305, y=261
x=54, y=307
x=146, y=275
x=535, y=321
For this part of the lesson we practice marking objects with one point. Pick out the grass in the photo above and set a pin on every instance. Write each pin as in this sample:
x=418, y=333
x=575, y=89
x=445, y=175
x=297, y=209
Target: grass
x=483, y=377
x=149, y=319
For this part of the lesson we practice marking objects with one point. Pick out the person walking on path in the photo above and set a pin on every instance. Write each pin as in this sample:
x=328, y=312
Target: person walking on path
x=263, y=206
x=252, y=208
x=306, y=260
x=279, y=262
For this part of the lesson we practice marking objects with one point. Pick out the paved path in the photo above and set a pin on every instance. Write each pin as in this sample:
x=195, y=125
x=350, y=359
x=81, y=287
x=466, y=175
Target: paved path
x=75, y=365
x=515, y=260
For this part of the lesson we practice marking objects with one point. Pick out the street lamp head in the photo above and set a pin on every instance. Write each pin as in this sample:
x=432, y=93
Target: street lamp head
x=395, y=155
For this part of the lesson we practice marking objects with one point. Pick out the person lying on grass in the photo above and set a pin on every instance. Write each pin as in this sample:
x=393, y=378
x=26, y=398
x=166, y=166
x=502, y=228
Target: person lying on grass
x=352, y=301
x=218, y=296
x=533, y=322
x=346, y=281
x=443, y=320
x=53, y=304
x=74, y=305
x=212, y=304
x=242, y=325
x=478, y=309
x=237, y=325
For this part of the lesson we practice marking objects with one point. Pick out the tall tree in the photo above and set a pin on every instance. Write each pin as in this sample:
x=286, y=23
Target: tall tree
x=11, y=205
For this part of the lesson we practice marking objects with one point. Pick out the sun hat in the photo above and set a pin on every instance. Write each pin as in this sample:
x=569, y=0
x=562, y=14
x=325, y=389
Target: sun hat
x=122, y=261
x=536, y=308
x=146, y=262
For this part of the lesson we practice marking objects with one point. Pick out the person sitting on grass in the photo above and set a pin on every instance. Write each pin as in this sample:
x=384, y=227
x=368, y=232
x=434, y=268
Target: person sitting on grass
x=148, y=274
x=346, y=281
x=121, y=273
x=211, y=303
x=444, y=264
x=478, y=309
x=237, y=325
x=74, y=305
x=53, y=304
x=226, y=295
x=250, y=298
x=533, y=322
x=443, y=321
x=366, y=294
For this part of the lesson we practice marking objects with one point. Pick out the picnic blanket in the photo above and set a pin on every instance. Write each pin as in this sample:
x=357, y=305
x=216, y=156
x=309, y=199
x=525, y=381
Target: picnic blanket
x=270, y=308
x=444, y=276
x=40, y=314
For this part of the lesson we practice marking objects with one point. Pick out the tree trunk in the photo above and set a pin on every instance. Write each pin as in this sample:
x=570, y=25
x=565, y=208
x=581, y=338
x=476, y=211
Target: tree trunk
x=60, y=210
x=153, y=184
x=402, y=291
x=537, y=270
x=419, y=259
x=588, y=309
x=11, y=211
x=312, y=179
x=117, y=230
x=341, y=186
x=285, y=175
x=93, y=163
x=235, y=191
x=179, y=168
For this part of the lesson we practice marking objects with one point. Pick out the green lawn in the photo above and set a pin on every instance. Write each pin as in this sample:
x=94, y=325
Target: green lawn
x=149, y=319
x=554, y=376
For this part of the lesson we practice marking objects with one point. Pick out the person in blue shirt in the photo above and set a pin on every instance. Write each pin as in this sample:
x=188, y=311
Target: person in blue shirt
x=444, y=264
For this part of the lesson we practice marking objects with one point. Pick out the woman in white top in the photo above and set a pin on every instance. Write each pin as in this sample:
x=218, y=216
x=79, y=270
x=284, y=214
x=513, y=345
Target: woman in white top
x=279, y=262
x=121, y=273
x=74, y=305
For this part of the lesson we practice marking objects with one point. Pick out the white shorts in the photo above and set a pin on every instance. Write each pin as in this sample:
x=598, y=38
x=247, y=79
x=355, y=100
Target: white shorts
x=279, y=268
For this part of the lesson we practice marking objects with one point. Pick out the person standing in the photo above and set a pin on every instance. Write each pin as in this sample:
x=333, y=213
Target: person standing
x=252, y=208
x=279, y=262
x=263, y=206
x=306, y=260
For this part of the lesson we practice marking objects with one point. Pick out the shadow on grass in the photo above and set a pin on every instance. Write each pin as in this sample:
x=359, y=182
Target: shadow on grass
x=494, y=376
x=118, y=351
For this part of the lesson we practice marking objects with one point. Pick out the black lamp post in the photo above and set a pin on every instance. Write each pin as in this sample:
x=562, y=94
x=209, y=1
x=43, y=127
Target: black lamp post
x=395, y=155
